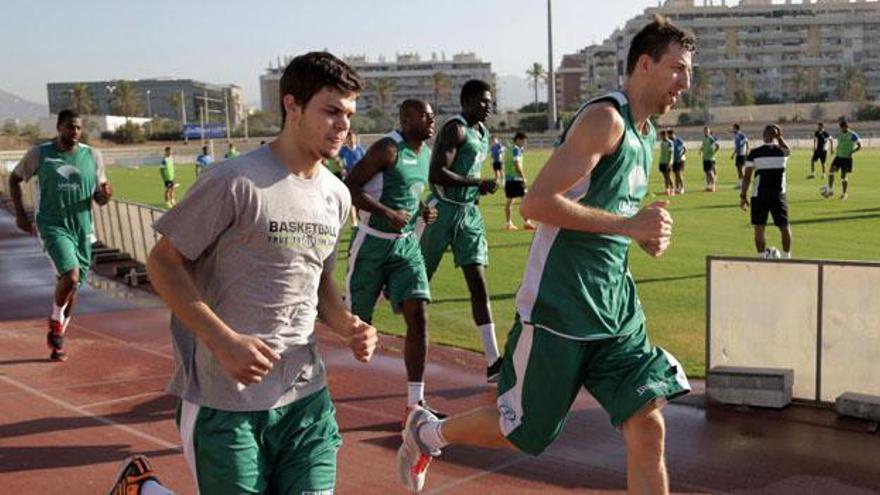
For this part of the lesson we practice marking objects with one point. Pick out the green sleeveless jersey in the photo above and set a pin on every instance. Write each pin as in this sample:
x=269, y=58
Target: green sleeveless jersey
x=666, y=151
x=67, y=181
x=709, y=148
x=167, y=168
x=578, y=284
x=468, y=163
x=846, y=143
x=511, y=153
x=400, y=187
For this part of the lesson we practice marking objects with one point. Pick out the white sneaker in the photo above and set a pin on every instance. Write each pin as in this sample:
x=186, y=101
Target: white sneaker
x=413, y=456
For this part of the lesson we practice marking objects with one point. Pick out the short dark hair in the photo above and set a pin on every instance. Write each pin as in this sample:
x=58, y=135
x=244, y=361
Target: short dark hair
x=66, y=115
x=654, y=39
x=843, y=122
x=736, y=127
x=821, y=124
x=519, y=135
x=168, y=148
x=473, y=88
x=308, y=74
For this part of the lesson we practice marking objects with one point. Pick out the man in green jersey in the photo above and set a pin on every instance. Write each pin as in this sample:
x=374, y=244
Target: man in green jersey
x=70, y=175
x=848, y=144
x=166, y=168
x=231, y=151
x=245, y=263
x=666, y=161
x=386, y=187
x=708, y=150
x=456, y=161
x=515, y=179
x=579, y=320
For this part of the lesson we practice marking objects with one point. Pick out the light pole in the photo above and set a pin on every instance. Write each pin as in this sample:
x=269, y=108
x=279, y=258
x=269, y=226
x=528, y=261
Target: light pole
x=150, y=111
x=226, y=111
x=551, y=79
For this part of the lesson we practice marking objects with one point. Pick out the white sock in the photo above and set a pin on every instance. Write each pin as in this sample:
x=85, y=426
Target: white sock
x=58, y=312
x=490, y=343
x=415, y=392
x=66, y=322
x=431, y=435
x=151, y=487
x=786, y=255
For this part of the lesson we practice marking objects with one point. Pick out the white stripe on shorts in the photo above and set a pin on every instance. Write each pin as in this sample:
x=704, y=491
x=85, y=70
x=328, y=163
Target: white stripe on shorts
x=510, y=403
x=188, y=414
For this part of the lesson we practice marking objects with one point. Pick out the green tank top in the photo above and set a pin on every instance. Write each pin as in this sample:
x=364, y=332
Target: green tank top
x=510, y=171
x=401, y=186
x=67, y=182
x=167, y=169
x=708, y=148
x=578, y=284
x=468, y=163
x=666, y=151
x=846, y=142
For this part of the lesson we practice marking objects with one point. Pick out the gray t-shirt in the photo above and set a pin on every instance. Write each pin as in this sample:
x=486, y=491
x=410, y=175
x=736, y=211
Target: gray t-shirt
x=260, y=238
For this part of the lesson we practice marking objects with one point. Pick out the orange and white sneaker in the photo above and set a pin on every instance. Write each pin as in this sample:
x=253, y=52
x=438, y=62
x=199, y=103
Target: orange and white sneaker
x=135, y=471
x=413, y=456
x=55, y=340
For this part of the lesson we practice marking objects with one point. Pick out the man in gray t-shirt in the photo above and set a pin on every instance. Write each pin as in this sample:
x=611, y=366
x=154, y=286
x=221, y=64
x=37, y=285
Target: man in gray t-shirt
x=245, y=264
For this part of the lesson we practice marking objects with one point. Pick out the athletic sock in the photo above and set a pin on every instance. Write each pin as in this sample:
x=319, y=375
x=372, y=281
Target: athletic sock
x=152, y=487
x=58, y=312
x=415, y=392
x=786, y=255
x=66, y=322
x=431, y=435
x=490, y=343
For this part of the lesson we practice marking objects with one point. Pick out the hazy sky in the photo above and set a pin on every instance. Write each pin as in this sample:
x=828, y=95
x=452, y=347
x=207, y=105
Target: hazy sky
x=227, y=41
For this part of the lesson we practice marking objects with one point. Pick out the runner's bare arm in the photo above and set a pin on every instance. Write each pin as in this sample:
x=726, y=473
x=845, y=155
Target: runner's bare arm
x=596, y=133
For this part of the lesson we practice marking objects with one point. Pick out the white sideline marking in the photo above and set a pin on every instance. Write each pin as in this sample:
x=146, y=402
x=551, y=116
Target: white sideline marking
x=83, y=412
x=121, y=399
x=483, y=473
x=123, y=342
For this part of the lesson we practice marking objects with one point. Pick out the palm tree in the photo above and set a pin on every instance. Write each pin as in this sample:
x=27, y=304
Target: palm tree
x=126, y=100
x=538, y=75
x=441, y=84
x=384, y=88
x=799, y=81
x=81, y=100
x=852, y=84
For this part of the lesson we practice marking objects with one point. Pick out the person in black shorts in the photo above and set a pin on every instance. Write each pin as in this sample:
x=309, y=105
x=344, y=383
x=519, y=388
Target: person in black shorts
x=820, y=150
x=515, y=179
x=679, y=155
x=665, y=160
x=767, y=162
x=497, y=150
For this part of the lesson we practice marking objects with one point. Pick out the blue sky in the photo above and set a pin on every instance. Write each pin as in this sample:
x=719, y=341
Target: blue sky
x=228, y=41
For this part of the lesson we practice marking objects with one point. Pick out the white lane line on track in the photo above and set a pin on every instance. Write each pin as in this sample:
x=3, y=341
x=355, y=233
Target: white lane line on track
x=122, y=399
x=82, y=412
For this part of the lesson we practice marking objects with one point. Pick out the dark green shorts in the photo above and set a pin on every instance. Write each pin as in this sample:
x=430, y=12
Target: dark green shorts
x=67, y=249
x=290, y=449
x=543, y=373
x=374, y=264
x=459, y=226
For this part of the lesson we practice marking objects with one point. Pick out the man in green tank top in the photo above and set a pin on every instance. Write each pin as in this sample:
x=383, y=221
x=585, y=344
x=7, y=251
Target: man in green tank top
x=708, y=150
x=458, y=156
x=579, y=320
x=515, y=179
x=848, y=144
x=166, y=169
x=70, y=175
x=386, y=187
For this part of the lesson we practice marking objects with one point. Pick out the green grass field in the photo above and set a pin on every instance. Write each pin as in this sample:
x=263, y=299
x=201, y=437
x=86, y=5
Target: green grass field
x=672, y=287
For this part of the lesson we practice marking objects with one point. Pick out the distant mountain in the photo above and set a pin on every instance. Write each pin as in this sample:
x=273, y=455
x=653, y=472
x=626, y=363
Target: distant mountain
x=15, y=107
x=514, y=92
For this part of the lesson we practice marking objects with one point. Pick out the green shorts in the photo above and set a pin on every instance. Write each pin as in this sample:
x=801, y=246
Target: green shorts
x=67, y=249
x=624, y=374
x=289, y=449
x=460, y=226
x=375, y=263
